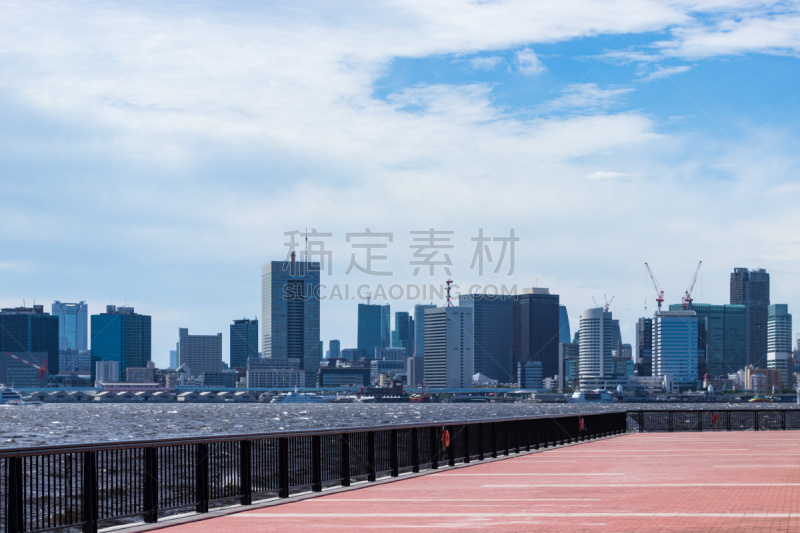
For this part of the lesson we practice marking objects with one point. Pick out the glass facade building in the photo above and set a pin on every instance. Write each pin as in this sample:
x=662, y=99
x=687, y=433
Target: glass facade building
x=563, y=325
x=121, y=335
x=373, y=328
x=73, y=321
x=419, y=329
x=779, y=342
x=31, y=330
x=536, y=329
x=721, y=338
x=403, y=334
x=751, y=289
x=243, y=342
x=675, y=346
x=493, y=330
x=595, y=346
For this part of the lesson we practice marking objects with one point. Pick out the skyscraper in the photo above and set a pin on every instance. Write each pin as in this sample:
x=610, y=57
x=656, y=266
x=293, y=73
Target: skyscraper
x=779, y=342
x=335, y=349
x=72, y=326
x=643, y=365
x=721, y=338
x=121, y=335
x=290, y=313
x=493, y=330
x=202, y=353
x=675, y=346
x=449, y=347
x=751, y=289
x=31, y=330
x=536, y=329
x=243, y=342
x=373, y=328
x=403, y=334
x=564, y=335
x=595, y=344
x=419, y=328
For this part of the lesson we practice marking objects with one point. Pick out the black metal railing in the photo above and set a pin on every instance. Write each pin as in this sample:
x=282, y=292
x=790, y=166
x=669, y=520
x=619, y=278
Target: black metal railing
x=714, y=420
x=86, y=486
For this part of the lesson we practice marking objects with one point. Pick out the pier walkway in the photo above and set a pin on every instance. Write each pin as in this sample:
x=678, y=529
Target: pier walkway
x=721, y=481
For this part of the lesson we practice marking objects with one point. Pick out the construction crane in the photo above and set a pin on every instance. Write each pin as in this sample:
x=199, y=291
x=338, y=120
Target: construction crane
x=42, y=369
x=686, y=301
x=608, y=302
x=659, y=292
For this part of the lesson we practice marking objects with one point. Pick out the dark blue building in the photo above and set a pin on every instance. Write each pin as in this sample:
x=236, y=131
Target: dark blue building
x=373, y=328
x=244, y=342
x=30, y=329
x=403, y=334
x=493, y=332
x=536, y=329
x=121, y=335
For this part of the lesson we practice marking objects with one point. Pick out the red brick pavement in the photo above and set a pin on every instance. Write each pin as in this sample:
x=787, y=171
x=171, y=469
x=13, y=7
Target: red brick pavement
x=738, y=481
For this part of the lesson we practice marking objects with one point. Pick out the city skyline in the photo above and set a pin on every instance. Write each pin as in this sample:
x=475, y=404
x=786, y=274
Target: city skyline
x=156, y=155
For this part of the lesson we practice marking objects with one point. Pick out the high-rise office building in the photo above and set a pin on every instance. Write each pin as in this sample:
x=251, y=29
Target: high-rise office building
x=529, y=375
x=335, y=349
x=675, y=346
x=568, y=365
x=72, y=326
x=173, y=359
x=31, y=330
x=373, y=328
x=779, y=342
x=751, y=289
x=403, y=334
x=721, y=338
x=290, y=312
x=201, y=353
x=122, y=335
x=449, y=347
x=419, y=329
x=563, y=325
x=643, y=363
x=536, y=329
x=493, y=330
x=243, y=342
x=595, y=346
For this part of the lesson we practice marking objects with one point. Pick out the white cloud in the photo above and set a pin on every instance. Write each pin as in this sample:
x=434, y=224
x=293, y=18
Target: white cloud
x=666, y=72
x=485, y=63
x=528, y=63
x=588, y=96
x=605, y=175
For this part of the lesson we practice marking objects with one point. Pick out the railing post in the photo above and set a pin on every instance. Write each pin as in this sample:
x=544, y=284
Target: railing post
x=201, y=477
x=527, y=431
x=481, y=446
x=345, y=461
x=316, y=463
x=641, y=421
x=728, y=422
x=783, y=420
x=150, y=485
x=670, y=421
x=536, y=427
x=517, y=432
x=245, y=472
x=433, y=447
x=15, y=496
x=756, y=419
x=283, y=467
x=371, y=455
x=467, y=449
x=414, y=450
x=451, y=450
x=506, y=437
x=89, y=499
x=493, y=439
x=393, y=460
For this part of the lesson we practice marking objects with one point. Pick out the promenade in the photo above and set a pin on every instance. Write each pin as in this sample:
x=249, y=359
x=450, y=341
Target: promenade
x=722, y=481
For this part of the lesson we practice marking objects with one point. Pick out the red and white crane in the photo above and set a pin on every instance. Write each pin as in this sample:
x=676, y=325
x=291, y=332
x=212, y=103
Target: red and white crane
x=608, y=302
x=659, y=291
x=686, y=301
x=42, y=369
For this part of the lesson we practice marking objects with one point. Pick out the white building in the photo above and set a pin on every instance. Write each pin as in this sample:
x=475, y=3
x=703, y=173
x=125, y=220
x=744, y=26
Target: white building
x=779, y=342
x=675, y=346
x=449, y=347
x=595, y=347
x=106, y=372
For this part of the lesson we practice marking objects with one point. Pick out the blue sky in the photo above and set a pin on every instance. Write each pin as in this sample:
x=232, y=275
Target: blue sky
x=156, y=155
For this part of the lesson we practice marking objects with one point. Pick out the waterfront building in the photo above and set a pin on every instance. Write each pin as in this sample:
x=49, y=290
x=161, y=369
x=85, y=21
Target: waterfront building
x=643, y=363
x=373, y=328
x=335, y=349
x=290, y=301
x=751, y=289
x=73, y=335
x=536, y=329
x=595, y=346
x=30, y=330
x=343, y=377
x=106, y=372
x=145, y=374
x=202, y=353
x=530, y=375
x=568, y=362
x=675, y=346
x=390, y=354
x=779, y=342
x=120, y=334
x=721, y=338
x=243, y=342
x=403, y=334
x=173, y=358
x=564, y=335
x=493, y=329
x=419, y=329
x=449, y=347
x=265, y=373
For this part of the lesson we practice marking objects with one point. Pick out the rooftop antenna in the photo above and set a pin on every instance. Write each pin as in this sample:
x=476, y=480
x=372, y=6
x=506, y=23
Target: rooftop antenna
x=369, y=298
x=448, y=283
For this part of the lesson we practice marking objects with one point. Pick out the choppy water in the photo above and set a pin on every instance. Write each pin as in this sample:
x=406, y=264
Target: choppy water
x=53, y=424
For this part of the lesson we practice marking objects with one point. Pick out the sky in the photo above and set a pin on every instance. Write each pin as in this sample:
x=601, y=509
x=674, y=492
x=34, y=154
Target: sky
x=158, y=155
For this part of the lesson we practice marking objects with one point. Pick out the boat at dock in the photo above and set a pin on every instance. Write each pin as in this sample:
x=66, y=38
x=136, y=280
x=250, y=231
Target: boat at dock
x=595, y=396
x=302, y=397
x=8, y=396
